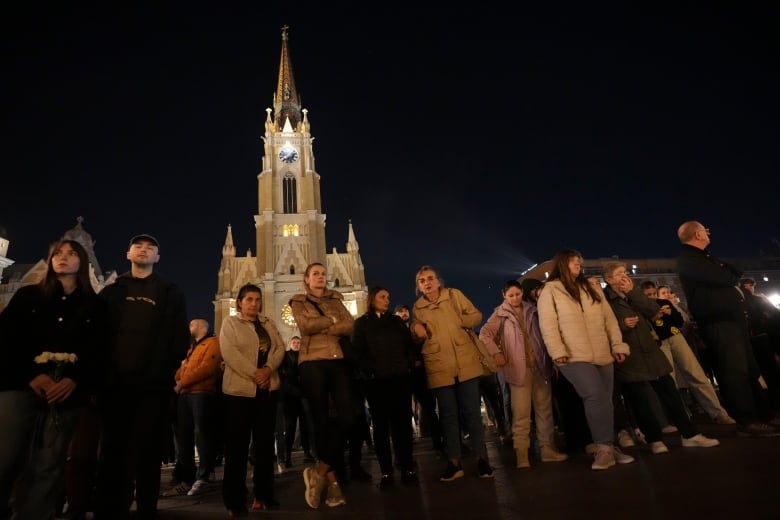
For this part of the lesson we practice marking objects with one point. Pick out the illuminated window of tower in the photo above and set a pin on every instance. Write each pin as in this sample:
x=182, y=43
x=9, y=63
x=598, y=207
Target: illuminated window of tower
x=289, y=194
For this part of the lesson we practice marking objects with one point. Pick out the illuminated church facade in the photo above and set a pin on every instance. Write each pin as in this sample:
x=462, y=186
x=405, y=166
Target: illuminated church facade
x=289, y=224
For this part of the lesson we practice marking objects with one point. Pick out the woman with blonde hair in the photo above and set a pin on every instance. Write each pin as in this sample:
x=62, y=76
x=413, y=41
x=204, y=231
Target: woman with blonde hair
x=323, y=319
x=583, y=339
x=442, y=319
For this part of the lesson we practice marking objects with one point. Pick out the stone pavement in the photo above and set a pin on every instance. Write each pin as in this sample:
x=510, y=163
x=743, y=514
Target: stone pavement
x=737, y=479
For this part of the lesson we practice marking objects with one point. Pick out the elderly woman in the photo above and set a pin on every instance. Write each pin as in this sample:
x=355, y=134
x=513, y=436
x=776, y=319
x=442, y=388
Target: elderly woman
x=252, y=350
x=442, y=319
x=323, y=320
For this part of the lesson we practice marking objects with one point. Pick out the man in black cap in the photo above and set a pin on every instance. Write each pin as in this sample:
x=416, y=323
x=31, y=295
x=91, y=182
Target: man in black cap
x=149, y=335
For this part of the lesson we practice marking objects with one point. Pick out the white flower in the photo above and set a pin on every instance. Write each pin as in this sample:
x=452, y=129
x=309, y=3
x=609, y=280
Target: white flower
x=60, y=357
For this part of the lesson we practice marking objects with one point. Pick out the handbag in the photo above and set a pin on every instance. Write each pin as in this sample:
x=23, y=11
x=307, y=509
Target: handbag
x=345, y=342
x=488, y=362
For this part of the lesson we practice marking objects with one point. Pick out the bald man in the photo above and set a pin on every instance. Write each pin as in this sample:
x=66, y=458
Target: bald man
x=718, y=307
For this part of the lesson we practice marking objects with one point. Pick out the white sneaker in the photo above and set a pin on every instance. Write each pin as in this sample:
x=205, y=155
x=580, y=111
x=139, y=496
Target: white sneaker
x=699, y=441
x=658, y=447
x=622, y=458
x=198, y=488
x=625, y=440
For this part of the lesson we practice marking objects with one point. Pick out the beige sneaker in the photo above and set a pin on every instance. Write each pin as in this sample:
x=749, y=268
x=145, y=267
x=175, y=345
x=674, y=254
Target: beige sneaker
x=625, y=440
x=314, y=486
x=604, y=458
x=335, y=496
x=550, y=454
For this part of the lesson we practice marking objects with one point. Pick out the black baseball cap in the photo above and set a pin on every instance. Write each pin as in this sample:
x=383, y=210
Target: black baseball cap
x=148, y=238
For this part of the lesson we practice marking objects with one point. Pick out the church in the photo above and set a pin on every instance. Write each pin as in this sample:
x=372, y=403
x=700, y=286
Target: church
x=289, y=223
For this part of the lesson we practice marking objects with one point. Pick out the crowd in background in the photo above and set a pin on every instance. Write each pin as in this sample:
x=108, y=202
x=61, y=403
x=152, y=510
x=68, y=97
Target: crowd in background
x=96, y=386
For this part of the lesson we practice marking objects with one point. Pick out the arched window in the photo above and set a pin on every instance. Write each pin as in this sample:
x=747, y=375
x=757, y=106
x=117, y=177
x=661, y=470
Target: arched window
x=289, y=193
x=292, y=269
x=336, y=282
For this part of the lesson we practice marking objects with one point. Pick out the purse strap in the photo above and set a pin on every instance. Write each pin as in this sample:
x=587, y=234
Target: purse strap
x=315, y=305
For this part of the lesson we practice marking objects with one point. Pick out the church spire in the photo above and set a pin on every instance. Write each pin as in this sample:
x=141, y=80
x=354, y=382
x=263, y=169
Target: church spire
x=287, y=104
x=229, y=250
x=352, y=245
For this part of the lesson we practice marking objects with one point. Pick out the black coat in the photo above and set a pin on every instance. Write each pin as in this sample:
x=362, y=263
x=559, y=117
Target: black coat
x=384, y=345
x=646, y=362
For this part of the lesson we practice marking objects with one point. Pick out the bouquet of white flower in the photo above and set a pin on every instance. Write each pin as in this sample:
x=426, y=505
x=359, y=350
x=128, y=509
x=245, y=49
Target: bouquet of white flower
x=58, y=360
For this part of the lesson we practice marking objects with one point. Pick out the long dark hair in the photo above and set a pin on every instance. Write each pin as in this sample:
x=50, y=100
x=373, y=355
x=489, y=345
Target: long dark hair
x=560, y=271
x=49, y=282
x=372, y=296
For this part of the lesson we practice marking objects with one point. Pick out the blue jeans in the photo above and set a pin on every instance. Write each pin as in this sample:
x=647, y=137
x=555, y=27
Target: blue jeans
x=461, y=400
x=594, y=384
x=195, y=428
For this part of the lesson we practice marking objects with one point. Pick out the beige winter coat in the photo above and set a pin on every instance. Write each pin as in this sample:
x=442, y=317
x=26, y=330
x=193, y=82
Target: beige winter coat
x=448, y=351
x=239, y=345
x=584, y=333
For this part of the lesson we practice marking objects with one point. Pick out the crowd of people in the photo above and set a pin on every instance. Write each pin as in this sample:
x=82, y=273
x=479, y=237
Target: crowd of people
x=93, y=383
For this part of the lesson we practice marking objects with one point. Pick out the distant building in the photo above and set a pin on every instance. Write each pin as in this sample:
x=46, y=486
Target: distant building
x=289, y=224
x=13, y=276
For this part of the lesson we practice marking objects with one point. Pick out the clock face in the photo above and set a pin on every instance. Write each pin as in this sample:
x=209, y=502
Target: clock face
x=287, y=316
x=288, y=154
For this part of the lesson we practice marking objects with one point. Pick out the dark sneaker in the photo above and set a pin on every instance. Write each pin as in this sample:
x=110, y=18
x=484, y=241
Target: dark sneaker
x=182, y=488
x=409, y=478
x=757, y=429
x=386, y=481
x=335, y=497
x=452, y=472
x=483, y=469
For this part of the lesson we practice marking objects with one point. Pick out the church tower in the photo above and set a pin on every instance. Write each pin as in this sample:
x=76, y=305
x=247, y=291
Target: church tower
x=289, y=224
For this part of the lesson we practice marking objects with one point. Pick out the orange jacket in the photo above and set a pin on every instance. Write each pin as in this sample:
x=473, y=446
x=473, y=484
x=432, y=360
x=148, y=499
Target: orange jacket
x=199, y=371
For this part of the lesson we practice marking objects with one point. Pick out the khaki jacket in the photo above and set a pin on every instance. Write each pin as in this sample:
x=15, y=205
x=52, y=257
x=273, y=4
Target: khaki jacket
x=240, y=347
x=319, y=335
x=448, y=351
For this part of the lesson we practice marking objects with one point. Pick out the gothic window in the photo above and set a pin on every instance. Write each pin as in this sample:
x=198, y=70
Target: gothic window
x=289, y=193
x=292, y=269
x=337, y=283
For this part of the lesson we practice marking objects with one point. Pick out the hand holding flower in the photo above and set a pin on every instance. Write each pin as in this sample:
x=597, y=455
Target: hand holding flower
x=60, y=390
x=41, y=384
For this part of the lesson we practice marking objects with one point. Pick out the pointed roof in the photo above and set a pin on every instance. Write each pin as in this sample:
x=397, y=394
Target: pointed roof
x=352, y=244
x=80, y=235
x=287, y=103
x=229, y=249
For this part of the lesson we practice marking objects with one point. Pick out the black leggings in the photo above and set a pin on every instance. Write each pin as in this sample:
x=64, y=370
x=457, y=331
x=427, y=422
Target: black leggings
x=327, y=386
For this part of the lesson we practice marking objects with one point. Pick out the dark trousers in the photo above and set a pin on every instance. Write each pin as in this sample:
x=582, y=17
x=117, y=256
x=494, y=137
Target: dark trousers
x=389, y=401
x=245, y=417
x=640, y=395
x=764, y=353
x=194, y=427
x=81, y=465
x=360, y=433
x=429, y=418
x=297, y=416
x=130, y=452
x=736, y=370
x=326, y=384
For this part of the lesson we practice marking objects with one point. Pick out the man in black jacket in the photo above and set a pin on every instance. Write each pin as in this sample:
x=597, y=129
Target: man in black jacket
x=718, y=306
x=148, y=337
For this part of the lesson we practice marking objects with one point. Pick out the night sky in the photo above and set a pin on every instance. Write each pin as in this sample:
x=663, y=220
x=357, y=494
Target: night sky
x=474, y=140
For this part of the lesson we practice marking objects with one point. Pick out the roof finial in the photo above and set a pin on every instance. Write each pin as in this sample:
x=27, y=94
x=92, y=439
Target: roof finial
x=284, y=31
